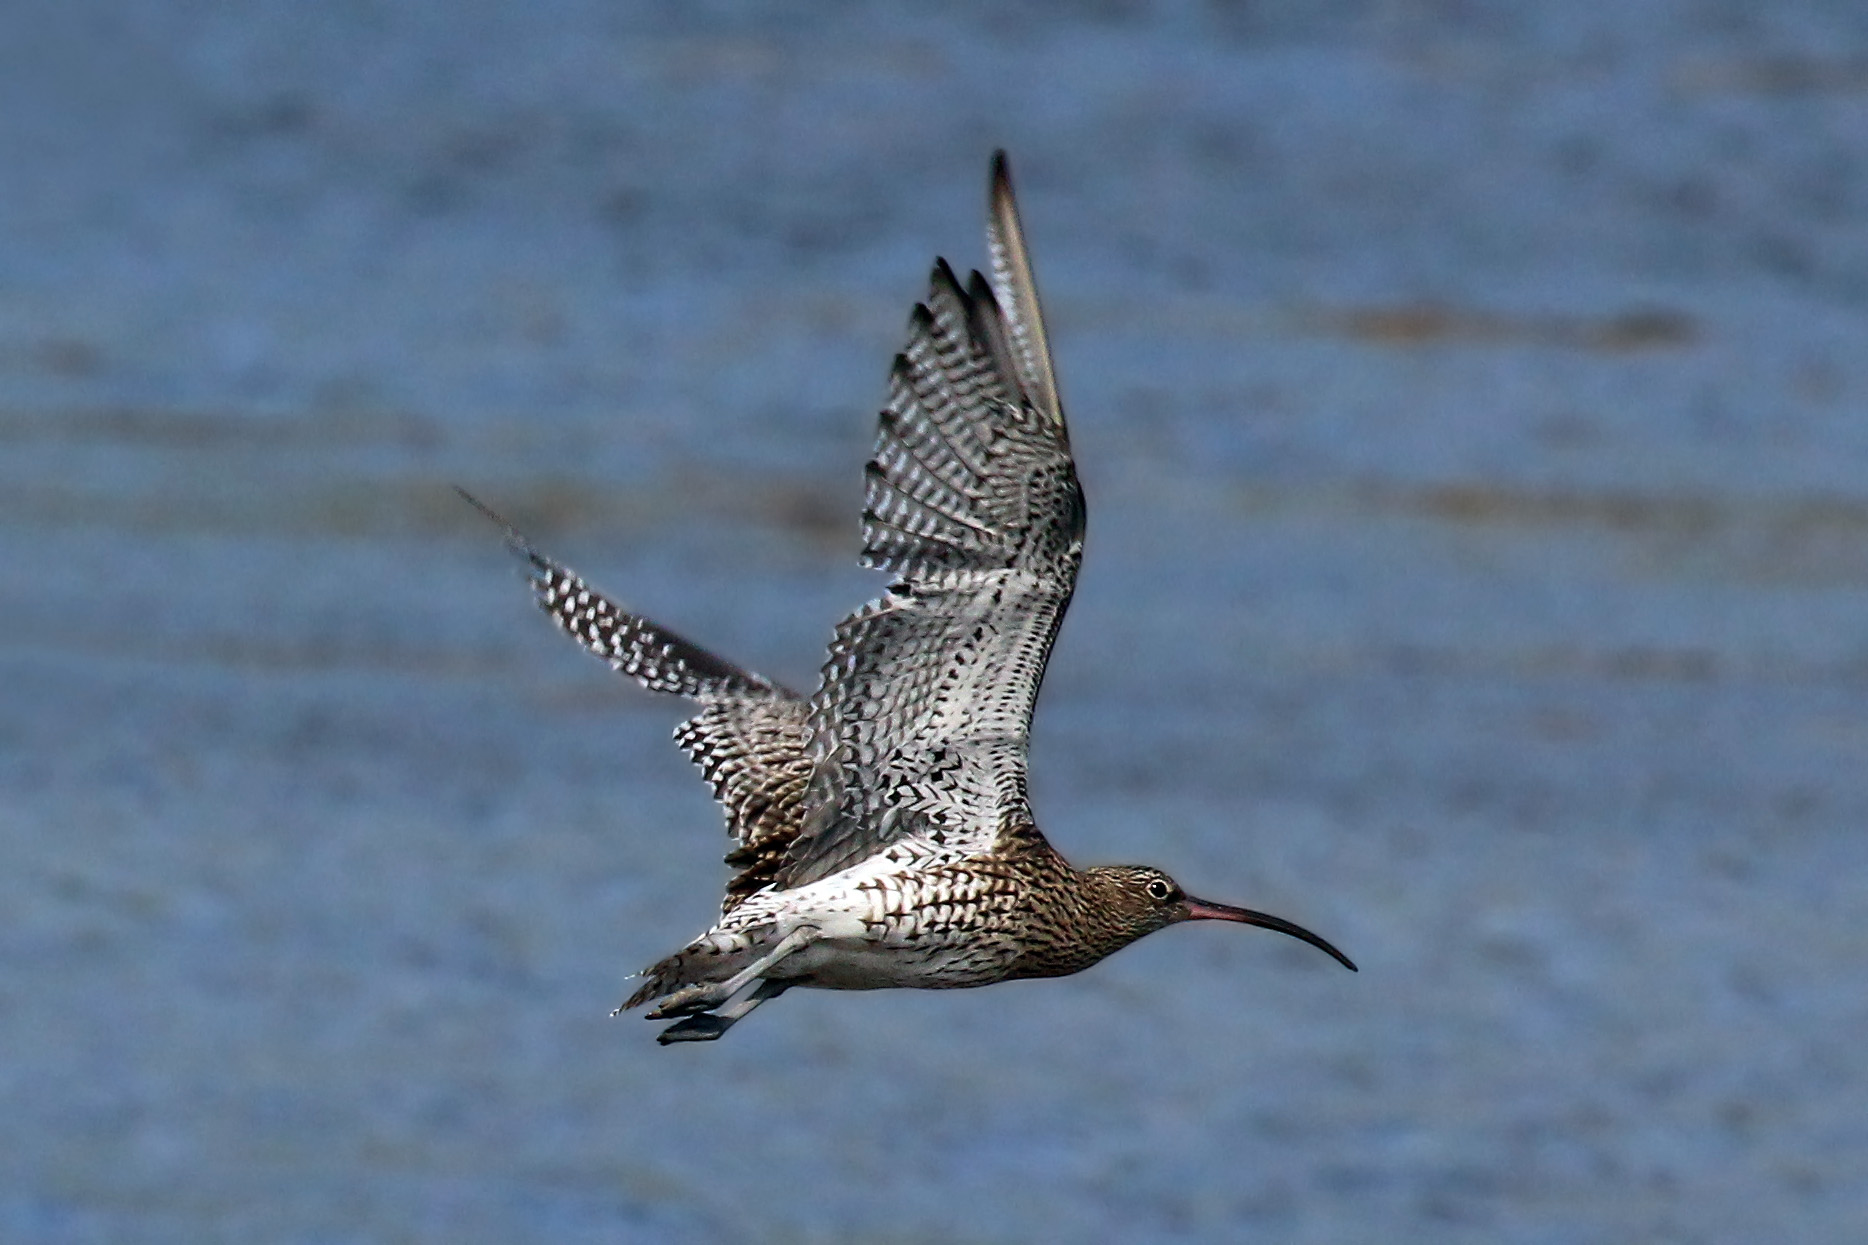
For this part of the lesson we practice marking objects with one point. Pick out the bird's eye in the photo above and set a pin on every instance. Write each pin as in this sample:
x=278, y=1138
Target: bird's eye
x=1159, y=888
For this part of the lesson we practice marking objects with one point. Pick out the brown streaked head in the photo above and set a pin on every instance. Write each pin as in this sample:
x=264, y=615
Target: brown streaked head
x=1152, y=900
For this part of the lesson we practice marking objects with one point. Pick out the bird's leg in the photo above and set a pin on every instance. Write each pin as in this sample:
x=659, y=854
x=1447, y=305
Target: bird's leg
x=706, y=1026
x=708, y=995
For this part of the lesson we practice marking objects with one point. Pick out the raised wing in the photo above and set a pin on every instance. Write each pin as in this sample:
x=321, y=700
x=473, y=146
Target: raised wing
x=921, y=723
x=750, y=739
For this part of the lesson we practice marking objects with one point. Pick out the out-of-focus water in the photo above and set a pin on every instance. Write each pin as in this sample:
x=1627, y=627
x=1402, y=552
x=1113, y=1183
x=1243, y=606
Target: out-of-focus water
x=1471, y=408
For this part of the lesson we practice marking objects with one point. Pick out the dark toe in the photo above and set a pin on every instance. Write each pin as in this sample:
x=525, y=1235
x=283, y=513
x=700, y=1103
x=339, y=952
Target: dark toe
x=704, y=1027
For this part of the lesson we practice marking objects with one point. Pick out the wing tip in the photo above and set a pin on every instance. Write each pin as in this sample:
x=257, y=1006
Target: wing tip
x=515, y=540
x=979, y=289
x=1001, y=175
x=1001, y=199
x=483, y=508
x=944, y=280
x=1016, y=288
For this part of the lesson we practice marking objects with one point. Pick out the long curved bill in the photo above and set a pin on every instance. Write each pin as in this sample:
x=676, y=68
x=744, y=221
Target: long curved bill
x=1201, y=910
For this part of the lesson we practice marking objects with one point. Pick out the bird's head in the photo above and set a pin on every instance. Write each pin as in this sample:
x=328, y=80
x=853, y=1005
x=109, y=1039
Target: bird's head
x=1144, y=900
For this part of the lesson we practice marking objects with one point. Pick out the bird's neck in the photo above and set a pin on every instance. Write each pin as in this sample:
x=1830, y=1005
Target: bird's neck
x=1077, y=920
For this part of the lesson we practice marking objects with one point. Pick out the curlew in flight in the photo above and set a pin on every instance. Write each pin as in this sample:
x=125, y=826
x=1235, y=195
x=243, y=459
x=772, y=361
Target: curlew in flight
x=882, y=834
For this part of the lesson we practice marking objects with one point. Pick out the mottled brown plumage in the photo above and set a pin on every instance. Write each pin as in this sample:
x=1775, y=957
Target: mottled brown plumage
x=882, y=832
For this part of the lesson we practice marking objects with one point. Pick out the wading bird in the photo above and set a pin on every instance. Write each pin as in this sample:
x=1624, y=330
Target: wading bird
x=882, y=833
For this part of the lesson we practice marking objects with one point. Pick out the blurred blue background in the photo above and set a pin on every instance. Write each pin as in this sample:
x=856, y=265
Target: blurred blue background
x=1469, y=398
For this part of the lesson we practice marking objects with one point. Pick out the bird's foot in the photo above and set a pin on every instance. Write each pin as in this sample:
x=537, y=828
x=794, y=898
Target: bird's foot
x=707, y=1025
x=703, y=1027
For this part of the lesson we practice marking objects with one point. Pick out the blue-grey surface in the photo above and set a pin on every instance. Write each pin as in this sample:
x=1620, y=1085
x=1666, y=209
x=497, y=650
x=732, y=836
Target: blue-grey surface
x=1470, y=399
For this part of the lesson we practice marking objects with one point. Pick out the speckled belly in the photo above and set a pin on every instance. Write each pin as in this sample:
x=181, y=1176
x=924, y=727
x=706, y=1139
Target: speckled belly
x=865, y=964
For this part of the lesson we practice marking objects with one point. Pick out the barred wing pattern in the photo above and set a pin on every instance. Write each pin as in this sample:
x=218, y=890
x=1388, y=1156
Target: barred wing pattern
x=921, y=723
x=754, y=752
x=750, y=739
